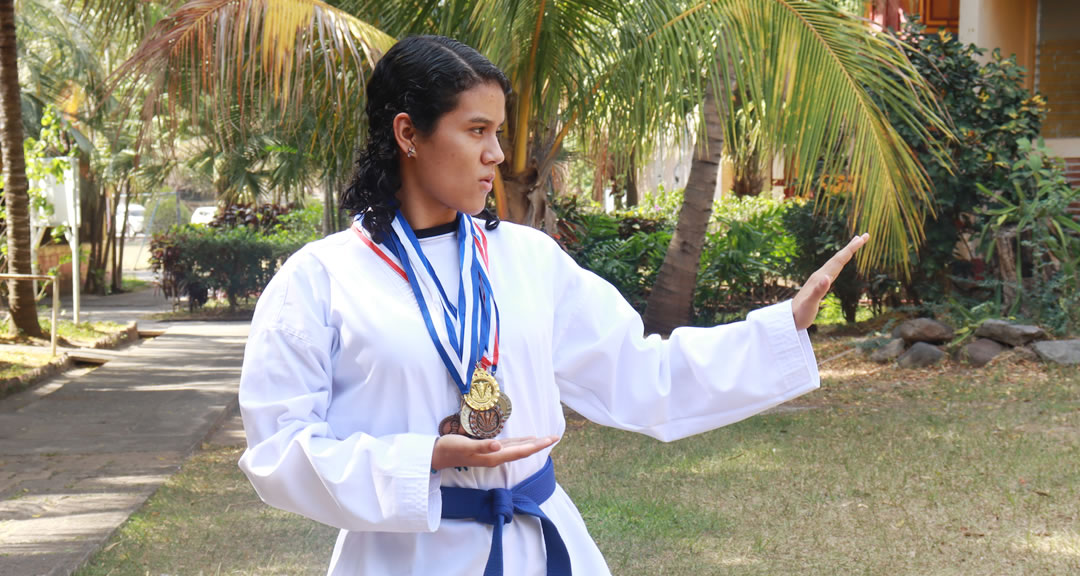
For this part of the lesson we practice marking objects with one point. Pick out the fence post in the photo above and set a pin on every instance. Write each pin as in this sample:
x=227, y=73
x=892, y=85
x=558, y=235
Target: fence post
x=55, y=307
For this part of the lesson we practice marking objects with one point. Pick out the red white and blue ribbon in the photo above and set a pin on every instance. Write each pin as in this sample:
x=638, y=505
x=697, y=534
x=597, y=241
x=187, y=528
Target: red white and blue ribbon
x=467, y=331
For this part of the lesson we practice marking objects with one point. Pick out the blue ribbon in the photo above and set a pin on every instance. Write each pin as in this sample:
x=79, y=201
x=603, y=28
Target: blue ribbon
x=482, y=295
x=499, y=505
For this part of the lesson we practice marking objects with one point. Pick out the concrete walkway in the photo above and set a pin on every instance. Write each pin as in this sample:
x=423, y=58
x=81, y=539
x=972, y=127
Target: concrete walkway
x=81, y=453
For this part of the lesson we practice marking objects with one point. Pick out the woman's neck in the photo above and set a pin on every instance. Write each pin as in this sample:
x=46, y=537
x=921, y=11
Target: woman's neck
x=422, y=211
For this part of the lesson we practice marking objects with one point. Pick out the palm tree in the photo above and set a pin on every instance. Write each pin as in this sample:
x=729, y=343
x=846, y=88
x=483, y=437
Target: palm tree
x=616, y=72
x=20, y=292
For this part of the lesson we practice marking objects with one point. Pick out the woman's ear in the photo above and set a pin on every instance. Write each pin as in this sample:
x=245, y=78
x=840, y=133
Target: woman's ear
x=404, y=133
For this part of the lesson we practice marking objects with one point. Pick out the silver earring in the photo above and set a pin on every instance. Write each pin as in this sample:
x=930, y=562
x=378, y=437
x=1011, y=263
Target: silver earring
x=412, y=152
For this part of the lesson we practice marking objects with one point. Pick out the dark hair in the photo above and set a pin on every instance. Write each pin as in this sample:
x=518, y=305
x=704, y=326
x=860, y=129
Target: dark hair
x=421, y=76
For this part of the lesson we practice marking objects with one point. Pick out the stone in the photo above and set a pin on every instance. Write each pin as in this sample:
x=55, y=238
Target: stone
x=981, y=351
x=889, y=352
x=1009, y=333
x=921, y=355
x=1058, y=351
x=925, y=330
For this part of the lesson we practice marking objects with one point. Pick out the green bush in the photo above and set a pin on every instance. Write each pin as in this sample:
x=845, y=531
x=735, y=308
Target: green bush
x=625, y=248
x=1030, y=214
x=991, y=112
x=237, y=261
x=747, y=257
x=744, y=262
x=818, y=237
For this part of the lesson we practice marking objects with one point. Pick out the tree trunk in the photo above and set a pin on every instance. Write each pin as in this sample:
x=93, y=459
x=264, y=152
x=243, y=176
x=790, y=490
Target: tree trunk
x=20, y=292
x=749, y=178
x=95, y=273
x=672, y=297
x=631, y=184
x=527, y=201
x=328, y=204
x=118, y=249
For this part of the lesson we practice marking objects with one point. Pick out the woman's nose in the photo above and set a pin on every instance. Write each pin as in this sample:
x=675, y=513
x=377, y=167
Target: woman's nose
x=493, y=153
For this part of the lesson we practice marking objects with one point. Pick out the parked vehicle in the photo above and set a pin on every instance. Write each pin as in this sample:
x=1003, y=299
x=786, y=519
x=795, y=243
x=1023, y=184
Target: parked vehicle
x=135, y=219
x=204, y=215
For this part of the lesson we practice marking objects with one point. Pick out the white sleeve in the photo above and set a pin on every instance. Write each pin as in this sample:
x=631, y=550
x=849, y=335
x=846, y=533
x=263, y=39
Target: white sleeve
x=294, y=460
x=696, y=380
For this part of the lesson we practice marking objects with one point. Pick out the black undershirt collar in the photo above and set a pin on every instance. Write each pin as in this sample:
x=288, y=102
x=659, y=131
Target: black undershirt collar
x=438, y=230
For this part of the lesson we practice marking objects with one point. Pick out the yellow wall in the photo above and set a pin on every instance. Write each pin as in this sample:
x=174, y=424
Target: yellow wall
x=1005, y=24
x=1059, y=67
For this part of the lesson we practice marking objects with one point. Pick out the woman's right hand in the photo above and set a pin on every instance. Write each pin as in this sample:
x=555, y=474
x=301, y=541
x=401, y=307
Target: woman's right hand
x=455, y=450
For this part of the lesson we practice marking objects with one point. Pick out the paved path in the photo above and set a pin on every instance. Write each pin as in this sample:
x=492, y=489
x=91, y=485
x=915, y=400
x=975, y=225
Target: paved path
x=81, y=453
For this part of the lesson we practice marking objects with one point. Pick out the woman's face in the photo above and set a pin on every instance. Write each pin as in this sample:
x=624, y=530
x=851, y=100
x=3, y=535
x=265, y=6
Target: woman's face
x=454, y=166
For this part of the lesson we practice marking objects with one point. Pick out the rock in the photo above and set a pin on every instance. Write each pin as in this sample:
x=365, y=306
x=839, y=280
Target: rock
x=921, y=355
x=1008, y=333
x=925, y=330
x=1058, y=351
x=889, y=352
x=981, y=351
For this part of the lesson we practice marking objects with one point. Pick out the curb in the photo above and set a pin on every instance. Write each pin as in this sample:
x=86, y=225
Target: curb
x=56, y=366
x=63, y=363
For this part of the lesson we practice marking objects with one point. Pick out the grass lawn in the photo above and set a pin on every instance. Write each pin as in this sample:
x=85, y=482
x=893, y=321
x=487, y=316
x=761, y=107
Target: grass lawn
x=16, y=362
x=884, y=471
x=132, y=284
x=81, y=334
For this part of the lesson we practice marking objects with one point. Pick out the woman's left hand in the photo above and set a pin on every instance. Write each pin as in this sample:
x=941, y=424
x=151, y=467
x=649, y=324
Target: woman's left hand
x=805, y=304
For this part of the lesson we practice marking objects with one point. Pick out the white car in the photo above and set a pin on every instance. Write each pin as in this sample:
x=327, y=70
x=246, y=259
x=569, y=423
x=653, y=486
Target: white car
x=135, y=219
x=204, y=215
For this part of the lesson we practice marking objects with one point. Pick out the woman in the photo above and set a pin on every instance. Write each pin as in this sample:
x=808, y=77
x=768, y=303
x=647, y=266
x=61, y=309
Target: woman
x=378, y=378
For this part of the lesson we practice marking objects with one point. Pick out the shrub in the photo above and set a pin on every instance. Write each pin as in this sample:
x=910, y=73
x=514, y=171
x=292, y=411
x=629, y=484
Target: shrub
x=747, y=257
x=237, y=259
x=991, y=112
x=625, y=248
x=818, y=237
x=1027, y=221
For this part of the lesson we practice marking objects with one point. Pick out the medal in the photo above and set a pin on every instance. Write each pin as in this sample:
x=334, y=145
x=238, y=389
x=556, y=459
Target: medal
x=482, y=424
x=469, y=328
x=484, y=391
x=451, y=425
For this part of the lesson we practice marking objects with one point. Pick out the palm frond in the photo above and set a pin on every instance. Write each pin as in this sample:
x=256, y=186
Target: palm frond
x=277, y=55
x=824, y=80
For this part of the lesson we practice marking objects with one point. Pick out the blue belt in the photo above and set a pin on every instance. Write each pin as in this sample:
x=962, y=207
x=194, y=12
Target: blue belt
x=498, y=506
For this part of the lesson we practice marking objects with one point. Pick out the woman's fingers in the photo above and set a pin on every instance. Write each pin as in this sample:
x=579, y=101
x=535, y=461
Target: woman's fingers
x=516, y=451
x=835, y=264
x=455, y=450
x=805, y=305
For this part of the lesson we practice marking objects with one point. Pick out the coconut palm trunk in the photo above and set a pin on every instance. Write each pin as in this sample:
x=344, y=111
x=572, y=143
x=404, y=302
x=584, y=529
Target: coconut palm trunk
x=20, y=292
x=672, y=297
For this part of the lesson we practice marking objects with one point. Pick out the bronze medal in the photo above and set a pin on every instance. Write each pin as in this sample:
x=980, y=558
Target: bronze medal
x=451, y=425
x=483, y=391
x=482, y=424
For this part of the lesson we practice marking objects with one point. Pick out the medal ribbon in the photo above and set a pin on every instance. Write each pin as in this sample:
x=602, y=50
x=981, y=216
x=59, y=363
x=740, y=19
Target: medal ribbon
x=465, y=333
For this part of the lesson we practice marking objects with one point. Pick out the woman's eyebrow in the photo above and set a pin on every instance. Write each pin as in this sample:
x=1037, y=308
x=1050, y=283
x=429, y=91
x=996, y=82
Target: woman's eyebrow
x=483, y=120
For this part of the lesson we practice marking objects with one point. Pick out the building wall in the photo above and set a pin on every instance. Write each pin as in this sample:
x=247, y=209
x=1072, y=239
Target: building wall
x=1005, y=24
x=1059, y=66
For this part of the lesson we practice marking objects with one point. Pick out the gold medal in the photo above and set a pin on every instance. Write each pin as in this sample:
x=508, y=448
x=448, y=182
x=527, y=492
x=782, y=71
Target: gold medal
x=483, y=392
